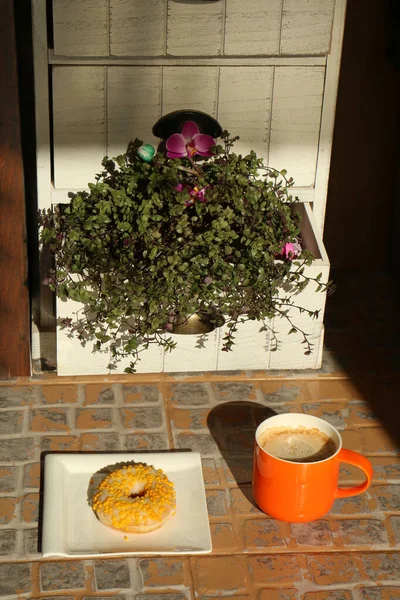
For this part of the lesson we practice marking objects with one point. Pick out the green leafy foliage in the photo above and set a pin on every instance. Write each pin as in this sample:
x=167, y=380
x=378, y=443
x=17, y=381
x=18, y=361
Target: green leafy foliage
x=142, y=247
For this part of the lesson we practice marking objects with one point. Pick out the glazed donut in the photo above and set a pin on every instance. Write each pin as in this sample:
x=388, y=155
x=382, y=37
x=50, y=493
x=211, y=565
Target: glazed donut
x=134, y=499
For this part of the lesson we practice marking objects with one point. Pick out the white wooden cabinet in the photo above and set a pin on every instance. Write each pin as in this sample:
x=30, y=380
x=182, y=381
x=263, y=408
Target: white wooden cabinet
x=267, y=70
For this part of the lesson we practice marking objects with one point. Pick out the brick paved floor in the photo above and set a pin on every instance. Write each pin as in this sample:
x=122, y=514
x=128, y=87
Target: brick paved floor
x=350, y=554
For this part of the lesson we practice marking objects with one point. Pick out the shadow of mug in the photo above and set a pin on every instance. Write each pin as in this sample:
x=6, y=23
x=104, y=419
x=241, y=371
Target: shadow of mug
x=233, y=426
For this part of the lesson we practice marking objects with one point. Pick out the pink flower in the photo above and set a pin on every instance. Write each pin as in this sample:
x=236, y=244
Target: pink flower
x=189, y=142
x=179, y=187
x=291, y=250
x=198, y=194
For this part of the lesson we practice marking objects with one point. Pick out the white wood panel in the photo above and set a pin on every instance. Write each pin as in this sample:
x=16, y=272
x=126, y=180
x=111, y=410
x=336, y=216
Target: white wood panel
x=194, y=29
x=42, y=107
x=74, y=358
x=187, y=61
x=151, y=361
x=190, y=356
x=306, y=26
x=244, y=106
x=328, y=114
x=252, y=27
x=133, y=106
x=296, y=117
x=137, y=27
x=291, y=351
x=78, y=121
x=80, y=27
x=251, y=350
x=190, y=87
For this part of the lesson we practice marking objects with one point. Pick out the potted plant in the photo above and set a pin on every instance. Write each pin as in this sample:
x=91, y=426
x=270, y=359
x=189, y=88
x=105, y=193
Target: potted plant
x=190, y=231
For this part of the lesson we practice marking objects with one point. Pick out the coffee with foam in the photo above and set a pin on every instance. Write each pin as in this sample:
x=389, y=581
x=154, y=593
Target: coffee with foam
x=297, y=444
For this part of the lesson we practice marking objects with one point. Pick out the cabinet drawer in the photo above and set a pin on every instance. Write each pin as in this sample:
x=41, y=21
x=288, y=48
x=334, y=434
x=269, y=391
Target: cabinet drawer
x=97, y=110
x=185, y=28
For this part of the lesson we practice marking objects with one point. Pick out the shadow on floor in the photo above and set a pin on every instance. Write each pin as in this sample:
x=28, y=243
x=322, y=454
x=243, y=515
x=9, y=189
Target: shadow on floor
x=232, y=426
x=363, y=334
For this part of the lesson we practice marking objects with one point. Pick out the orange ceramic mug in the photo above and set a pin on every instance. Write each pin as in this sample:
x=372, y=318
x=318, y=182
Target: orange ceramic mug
x=302, y=491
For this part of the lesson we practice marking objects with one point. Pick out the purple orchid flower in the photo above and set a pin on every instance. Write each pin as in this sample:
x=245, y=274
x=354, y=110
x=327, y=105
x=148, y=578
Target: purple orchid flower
x=189, y=142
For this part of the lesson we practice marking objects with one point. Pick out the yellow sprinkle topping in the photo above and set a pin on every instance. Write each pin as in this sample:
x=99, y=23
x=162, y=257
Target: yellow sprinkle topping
x=137, y=495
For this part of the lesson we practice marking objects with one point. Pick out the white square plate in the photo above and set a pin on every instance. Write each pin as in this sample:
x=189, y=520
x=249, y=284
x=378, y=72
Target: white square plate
x=70, y=527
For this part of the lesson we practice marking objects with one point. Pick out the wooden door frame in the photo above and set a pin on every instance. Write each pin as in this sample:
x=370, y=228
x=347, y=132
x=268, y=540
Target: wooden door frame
x=14, y=291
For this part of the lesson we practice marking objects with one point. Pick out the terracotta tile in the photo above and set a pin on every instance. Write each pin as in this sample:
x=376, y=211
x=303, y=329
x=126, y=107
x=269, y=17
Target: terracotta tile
x=98, y=394
x=360, y=414
x=210, y=473
x=263, y=533
x=352, y=440
x=8, y=542
x=11, y=422
x=31, y=537
x=160, y=572
x=7, y=509
x=59, y=394
x=146, y=441
x=32, y=475
x=8, y=478
x=188, y=394
x=388, y=497
x=334, y=389
x=59, y=442
x=49, y=419
x=168, y=594
x=30, y=508
x=140, y=394
x=351, y=506
x=198, y=442
x=106, y=442
x=233, y=392
x=94, y=418
x=334, y=413
x=142, y=417
x=326, y=569
x=235, y=415
x=362, y=532
x=277, y=392
x=395, y=526
x=15, y=579
x=278, y=568
x=239, y=442
x=17, y=396
x=382, y=566
x=220, y=574
x=278, y=594
x=380, y=593
x=329, y=595
x=385, y=468
x=235, y=597
x=223, y=537
x=193, y=418
x=111, y=574
x=378, y=441
x=62, y=575
x=17, y=449
x=316, y=533
x=216, y=503
x=241, y=502
x=238, y=469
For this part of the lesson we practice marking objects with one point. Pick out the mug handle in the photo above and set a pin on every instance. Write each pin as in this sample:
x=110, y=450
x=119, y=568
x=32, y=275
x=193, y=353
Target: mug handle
x=358, y=460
